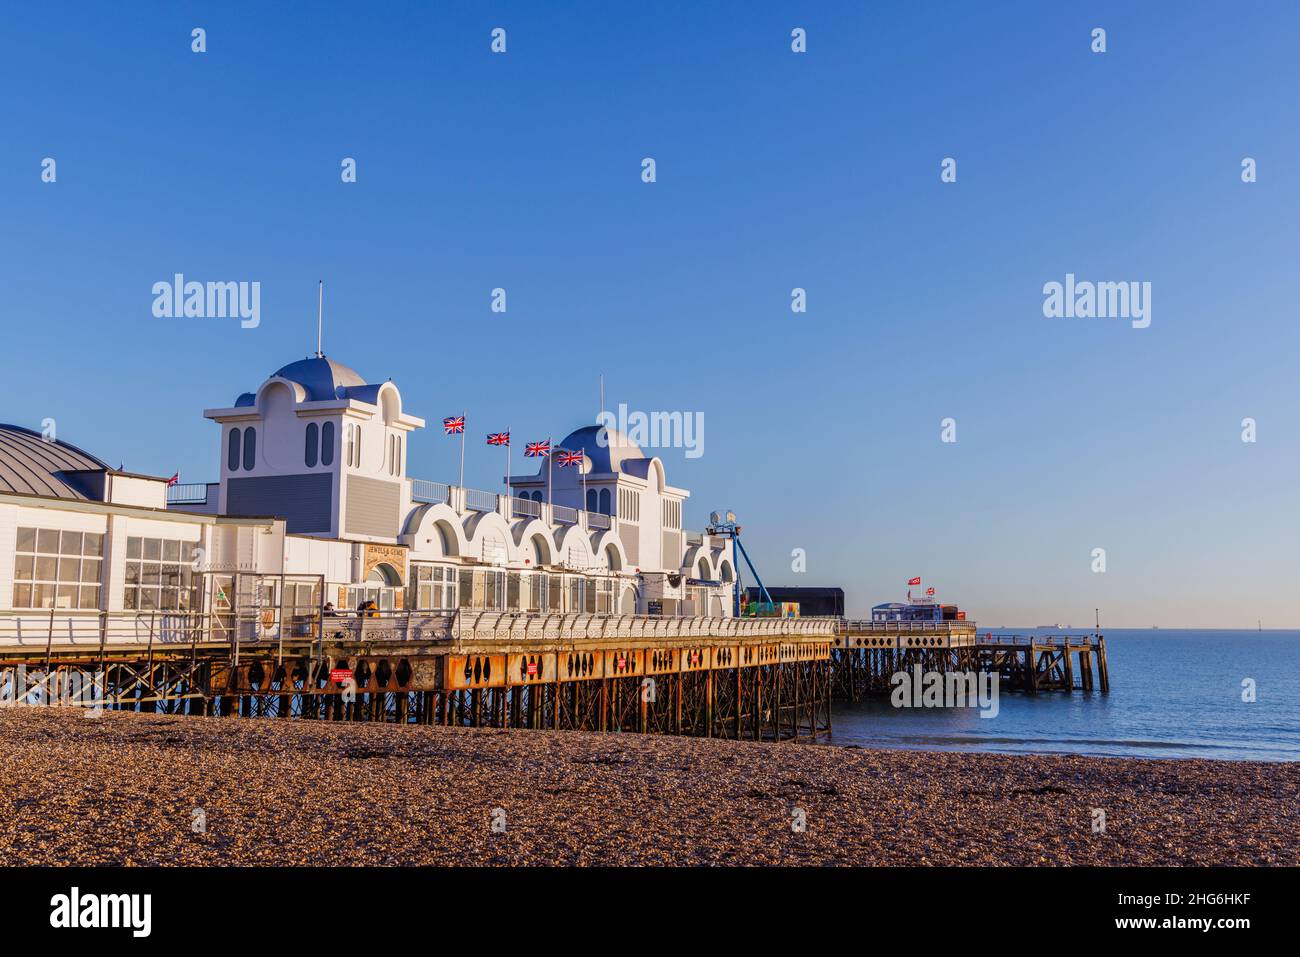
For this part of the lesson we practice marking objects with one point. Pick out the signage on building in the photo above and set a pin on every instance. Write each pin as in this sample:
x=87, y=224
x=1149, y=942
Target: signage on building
x=340, y=675
x=393, y=556
x=654, y=608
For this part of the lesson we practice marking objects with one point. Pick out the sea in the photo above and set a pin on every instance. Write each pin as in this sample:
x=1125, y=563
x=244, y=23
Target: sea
x=1173, y=694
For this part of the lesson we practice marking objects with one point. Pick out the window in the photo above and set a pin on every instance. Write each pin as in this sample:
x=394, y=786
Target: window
x=672, y=514
x=435, y=587
x=537, y=496
x=160, y=575
x=250, y=448
x=349, y=440
x=591, y=500
x=604, y=596
x=327, y=444
x=629, y=505
x=57, y=569
x=313, y=445
x=604, y=501
x=232, y=454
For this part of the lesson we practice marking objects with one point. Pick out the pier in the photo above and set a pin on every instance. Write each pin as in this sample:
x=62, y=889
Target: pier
x=761, y=679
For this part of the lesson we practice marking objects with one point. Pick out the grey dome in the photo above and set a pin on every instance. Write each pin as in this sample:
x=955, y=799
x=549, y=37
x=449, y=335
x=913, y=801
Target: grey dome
x=31, y=464
x=323, y=379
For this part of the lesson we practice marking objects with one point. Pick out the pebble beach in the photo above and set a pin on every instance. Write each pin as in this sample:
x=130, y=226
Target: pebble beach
x=147, y=790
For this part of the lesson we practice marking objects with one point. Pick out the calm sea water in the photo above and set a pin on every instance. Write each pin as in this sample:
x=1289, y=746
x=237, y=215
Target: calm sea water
x=1173, y=694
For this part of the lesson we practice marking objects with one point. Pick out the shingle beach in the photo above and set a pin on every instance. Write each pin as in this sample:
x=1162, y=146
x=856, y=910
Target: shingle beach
x=124, y=789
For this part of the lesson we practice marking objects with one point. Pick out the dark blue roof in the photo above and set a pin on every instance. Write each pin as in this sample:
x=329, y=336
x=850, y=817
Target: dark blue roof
x=324, y=380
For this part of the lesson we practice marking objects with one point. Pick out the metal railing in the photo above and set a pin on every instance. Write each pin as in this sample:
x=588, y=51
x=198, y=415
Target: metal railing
x=859, y=626
x=597, y=520
x=519, y=626
x=525, y=508
x=480, y=501
x=190, y=493
x=694, y=538
x=432, y=493
x=1042, y=641
x=563, y=515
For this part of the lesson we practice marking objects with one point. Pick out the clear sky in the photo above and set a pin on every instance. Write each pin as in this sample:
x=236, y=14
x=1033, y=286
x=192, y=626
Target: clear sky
x=775, y=170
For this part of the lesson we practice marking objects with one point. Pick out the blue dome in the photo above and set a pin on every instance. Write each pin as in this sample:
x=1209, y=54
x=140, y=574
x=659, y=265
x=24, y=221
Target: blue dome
x=323, y=379
x=607, y=448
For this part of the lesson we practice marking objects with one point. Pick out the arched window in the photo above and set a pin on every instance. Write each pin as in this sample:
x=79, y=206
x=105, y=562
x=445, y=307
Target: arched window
x=313, y=445
x=398, y=445
x=591, y=500
x=604, y=501
x=327, y=444
x=232, y=455
x=356, y=450
x=537, y=496
x=250, y=448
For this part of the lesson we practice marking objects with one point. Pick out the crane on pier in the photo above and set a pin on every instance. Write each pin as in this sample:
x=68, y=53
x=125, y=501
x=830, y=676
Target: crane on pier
x=724, y=524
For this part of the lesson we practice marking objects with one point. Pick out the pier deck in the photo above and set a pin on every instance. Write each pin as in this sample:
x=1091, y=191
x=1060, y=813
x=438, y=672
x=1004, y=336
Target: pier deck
x=758, y=679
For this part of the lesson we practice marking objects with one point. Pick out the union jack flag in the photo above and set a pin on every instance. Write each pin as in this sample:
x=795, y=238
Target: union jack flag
x=566, y=458
x=536, y=449
x=453, y=424
x=498, y=438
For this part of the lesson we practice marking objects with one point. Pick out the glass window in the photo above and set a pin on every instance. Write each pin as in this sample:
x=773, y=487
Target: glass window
x=327, y=444
x=313, y=443
x=250, y=448
x=232, y=453
x=49, y=571
x=164, y=580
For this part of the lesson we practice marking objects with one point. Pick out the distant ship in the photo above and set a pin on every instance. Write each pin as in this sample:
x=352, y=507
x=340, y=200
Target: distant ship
x=1055, y=627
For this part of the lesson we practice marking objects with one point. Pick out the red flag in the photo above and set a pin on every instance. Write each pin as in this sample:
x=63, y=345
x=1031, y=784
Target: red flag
x=174, y=479
x=914, y=581
x=566, y=458
x=498, y=438
x=453, y=424
x=536, y=449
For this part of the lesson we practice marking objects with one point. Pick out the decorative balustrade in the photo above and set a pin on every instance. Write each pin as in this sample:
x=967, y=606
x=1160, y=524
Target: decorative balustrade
x=518, y=626
x=432, y=493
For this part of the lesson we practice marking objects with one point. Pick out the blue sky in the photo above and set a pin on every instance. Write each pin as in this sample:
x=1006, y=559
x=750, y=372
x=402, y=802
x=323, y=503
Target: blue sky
x=775, y=170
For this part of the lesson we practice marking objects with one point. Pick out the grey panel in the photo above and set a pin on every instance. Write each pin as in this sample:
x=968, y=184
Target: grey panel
x=630, y=536
x=372, y=507
x=672, y=554
x=303, y=501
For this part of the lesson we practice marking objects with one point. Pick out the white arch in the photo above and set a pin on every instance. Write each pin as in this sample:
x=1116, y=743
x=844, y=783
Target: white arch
x=570, y=540
x=604, y=542
x=434, y=531
x=482, y=524
x=528, y=534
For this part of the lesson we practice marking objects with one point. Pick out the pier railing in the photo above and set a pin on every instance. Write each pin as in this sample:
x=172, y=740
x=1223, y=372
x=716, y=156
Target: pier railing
x=855, y=626
x=1042, y=641
x=506, y=626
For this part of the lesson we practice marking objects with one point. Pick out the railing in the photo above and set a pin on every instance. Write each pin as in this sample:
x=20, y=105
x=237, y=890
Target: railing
x=1042, y=641
x=190, y=493
x=518, y=626
x=562, y=514
x=858, y=626
x=525, y=508
x=480, y=501
x=694, y=538
x=432, y=493
x=597, y=520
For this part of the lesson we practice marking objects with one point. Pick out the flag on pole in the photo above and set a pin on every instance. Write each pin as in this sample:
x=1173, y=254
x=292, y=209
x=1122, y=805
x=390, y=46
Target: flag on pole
x=914, y=581
x=538, y=449
x=174, y=479
x=566, y=458
x=498, y=438
x=454, y=424
x=930, y=590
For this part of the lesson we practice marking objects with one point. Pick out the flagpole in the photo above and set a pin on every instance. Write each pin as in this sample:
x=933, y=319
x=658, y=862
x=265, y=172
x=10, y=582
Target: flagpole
x=583, y=472
x=507, y=481
x=464, y=424
x=550, y=452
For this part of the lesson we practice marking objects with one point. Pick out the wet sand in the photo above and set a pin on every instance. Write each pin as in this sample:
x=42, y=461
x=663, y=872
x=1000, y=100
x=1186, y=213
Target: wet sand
x=123, y=789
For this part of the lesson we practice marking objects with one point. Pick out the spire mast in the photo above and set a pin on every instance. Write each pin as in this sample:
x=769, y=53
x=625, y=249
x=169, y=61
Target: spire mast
x=320, y=317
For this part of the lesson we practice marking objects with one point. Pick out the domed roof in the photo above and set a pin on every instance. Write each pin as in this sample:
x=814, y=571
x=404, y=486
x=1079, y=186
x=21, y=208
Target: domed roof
x=29, y=463
x=607, y=448
x=321, y=378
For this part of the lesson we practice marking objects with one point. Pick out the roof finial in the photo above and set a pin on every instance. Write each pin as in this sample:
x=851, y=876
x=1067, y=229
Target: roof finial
x=320, y=317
